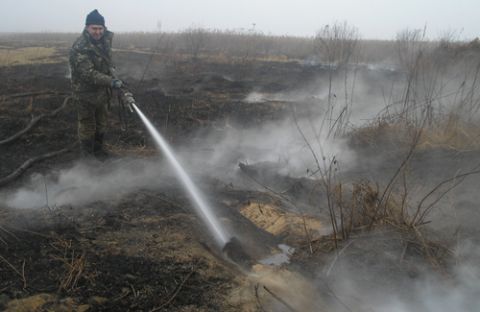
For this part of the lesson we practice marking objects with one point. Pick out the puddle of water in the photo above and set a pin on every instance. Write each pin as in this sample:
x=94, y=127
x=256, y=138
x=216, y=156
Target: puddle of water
x=279, y=258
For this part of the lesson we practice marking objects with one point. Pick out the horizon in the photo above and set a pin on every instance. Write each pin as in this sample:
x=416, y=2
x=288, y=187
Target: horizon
x=374, y=19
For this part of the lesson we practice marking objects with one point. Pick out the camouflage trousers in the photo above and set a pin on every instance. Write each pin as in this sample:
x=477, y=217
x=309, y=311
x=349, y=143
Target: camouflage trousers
x=92, y=111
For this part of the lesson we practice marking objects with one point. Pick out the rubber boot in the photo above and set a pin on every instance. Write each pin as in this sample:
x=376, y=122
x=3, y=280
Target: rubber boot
x=98, y=149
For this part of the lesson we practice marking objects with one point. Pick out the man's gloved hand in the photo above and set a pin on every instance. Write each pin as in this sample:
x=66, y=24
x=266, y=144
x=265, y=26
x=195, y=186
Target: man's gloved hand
x=129, y=100
x=116, y=83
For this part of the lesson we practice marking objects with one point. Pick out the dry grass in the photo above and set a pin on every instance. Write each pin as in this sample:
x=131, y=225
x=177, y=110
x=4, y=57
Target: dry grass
x=452, y=133
x=280, y=223
x=74, y=263
x=362, y=210
x=366, y=207
x=383, y=134
x=365, y=211
x=26, y=56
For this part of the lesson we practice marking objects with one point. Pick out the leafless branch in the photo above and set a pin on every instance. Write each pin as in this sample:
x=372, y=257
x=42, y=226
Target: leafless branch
x=420, y=215
x=27, y=94
x=175, y=291
x=288, y=306
x=33, y=122
x=15, y=174
x=259, y=304
x=21, y=274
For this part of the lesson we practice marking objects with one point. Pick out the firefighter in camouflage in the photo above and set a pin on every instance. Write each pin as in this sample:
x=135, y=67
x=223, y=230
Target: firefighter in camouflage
x=93, y=78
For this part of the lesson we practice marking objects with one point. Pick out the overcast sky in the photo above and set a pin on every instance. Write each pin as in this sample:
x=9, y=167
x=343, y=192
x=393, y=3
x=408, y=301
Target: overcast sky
x=380, y=19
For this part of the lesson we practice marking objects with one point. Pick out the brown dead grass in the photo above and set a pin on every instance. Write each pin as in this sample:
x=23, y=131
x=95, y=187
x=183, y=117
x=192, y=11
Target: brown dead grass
x=213, y=57
x=382, y=134
x=452, y=133
x=45, y=302
x=280, y=223
x=25, y=56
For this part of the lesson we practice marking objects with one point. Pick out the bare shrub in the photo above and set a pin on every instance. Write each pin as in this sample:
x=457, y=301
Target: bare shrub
x=336, y=45
x=440, y=78
x=195, y=41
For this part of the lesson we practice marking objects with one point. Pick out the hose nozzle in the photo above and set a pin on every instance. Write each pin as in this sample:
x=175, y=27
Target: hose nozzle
x=129, y=100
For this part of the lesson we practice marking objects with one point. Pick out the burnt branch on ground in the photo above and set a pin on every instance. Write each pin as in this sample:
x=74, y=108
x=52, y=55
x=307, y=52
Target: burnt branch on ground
x=33, y=122
x=17, y=172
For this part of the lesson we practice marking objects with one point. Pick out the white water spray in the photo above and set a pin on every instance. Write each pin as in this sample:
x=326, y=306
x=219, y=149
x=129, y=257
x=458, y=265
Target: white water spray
x=195, y=195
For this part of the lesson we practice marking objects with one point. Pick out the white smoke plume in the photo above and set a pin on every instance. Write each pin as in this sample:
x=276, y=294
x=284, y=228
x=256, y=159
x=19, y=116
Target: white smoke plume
x=88, y=182
x=278, y=143
x=214, y=155
x=432, y=291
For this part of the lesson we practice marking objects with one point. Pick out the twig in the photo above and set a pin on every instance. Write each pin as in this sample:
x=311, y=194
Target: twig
x=9, y=233
x=420, y=216
x=33, y=122
x=334, y=295
x=259, y=304
x=15, y=174
x=22, y=275
x=326, y=177
x=310, y=148
x=338, y=256
x=150, y=59
x=307, y=233
x=279, y=299
x=175, y=292
x=426, y=248
x=336, y=121
x=26, y=94
x=46, y=194
x=390, y=184
x=244, y=170
x=74, y=270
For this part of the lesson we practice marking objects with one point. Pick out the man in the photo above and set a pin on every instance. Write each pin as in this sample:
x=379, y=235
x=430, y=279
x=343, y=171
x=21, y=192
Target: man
x=92, y=81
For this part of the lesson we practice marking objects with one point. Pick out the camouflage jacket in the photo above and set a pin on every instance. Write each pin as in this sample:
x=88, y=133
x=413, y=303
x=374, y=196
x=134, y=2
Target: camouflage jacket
x=91, y=63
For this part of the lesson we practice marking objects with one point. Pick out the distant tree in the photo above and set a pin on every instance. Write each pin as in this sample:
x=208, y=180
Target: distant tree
x=417, y=63
x=195, y=41
x=335, y=45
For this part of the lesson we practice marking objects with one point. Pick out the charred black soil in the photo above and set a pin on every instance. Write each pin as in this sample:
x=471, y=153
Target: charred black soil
x=146, y=252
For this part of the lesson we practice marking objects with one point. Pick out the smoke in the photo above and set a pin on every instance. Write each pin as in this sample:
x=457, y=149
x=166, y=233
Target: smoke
x=279, y=145
x=373, y=275
x=215, y=155
x=87, y=182
x=366, y=93
x=380, y=286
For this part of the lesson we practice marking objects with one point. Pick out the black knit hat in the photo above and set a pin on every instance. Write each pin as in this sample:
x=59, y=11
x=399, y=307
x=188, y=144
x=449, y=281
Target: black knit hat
x=94, y=18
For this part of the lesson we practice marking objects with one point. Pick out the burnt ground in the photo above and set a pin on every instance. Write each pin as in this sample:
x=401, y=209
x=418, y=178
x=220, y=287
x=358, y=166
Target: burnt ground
x=145, y=250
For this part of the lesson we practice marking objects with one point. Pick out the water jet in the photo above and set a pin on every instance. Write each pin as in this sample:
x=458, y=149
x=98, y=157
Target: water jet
x=196, y=197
